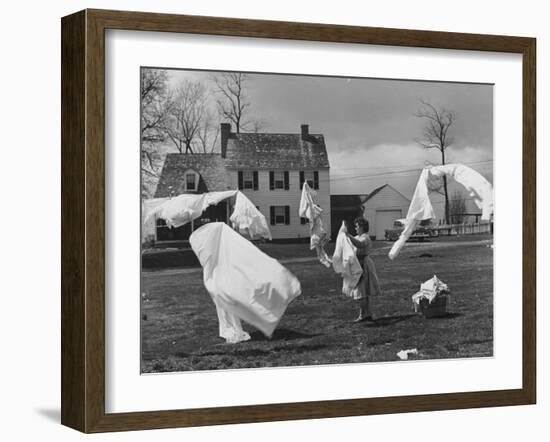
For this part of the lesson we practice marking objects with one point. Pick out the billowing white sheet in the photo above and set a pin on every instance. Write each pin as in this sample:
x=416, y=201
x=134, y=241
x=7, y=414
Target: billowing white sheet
x=184, y=208
x=431, y=179
x=477, y=186
x=244, y=283
x=317, y=233
x=248, y=220
x=345, y=262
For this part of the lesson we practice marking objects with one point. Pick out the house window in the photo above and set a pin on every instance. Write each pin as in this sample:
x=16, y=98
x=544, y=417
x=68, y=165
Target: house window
x=312, y=178
x=279, y=215
x=191, y=181
x=308, y=176
x=279, y=180
x=248, y=180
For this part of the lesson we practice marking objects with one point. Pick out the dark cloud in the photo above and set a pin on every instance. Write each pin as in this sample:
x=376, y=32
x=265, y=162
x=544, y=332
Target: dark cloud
x=369, y=124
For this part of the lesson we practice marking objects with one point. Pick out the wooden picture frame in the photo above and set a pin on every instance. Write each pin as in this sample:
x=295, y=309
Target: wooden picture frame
x=83, y=220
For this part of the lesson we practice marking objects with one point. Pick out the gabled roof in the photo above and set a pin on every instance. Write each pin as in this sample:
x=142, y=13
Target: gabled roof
x=210, y=167
x=346, y=202
x=374, y=192
x=276, y=151
x=379, y=189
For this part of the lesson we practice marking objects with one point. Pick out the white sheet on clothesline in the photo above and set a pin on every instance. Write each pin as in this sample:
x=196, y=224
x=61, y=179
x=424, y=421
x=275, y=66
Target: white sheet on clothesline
x=184, y=208
x=248, y=220
x=431, y=179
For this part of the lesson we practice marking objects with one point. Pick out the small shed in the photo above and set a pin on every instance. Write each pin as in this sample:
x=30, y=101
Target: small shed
x=382, y=207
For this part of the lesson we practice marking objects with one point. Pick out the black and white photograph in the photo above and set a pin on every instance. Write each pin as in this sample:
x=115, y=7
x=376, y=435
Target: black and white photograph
x=299, y=220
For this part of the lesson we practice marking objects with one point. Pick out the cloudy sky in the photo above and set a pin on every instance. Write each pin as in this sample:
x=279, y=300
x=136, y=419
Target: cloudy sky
x=369, y=124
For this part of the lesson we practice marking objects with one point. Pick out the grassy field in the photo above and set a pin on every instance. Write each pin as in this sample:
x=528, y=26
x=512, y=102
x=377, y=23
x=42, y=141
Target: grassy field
x=180, y=327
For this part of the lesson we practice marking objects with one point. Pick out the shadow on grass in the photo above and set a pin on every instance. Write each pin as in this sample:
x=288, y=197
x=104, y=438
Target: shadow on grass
x=281, y=334
x=257, y=352
x=447, y=316
x=386, y=321
x=425, y=255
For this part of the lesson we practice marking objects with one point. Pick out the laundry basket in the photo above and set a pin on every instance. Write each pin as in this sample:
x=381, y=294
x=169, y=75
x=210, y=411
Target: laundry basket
x=436, y=308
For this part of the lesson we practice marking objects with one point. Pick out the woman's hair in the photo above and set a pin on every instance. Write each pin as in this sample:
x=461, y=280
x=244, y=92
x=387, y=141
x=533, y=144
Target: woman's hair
x=362, y=222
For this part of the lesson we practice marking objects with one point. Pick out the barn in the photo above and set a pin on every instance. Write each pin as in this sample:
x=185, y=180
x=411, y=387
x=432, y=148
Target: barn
x=382, y=207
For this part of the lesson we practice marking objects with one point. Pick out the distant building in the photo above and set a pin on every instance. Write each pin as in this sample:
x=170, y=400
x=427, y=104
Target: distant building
x=344, y=208
x=380, y=208
x=268, y=168
x=191, y=173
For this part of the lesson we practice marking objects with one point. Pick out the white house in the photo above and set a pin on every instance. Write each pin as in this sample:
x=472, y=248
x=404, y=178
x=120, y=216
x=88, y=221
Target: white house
x=269, y=168
x=382, y=207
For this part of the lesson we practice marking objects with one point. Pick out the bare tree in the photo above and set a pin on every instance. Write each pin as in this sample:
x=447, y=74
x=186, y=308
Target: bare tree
x=457, y=207
x=187, y=114
x=257, y=125
x=232, y=102
x=208, y=134
x=436, y=136
x=155, y=108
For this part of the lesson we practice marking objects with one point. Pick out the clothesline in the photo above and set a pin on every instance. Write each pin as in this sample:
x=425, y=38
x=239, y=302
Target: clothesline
x=431, y=179
x=184, y=208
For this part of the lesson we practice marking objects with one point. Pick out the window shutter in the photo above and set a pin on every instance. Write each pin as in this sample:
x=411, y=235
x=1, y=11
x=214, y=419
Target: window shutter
x=272, y=215
x=316, y=180
x=286, y=179
x=255, y=180
x=241, y=185
x=271, y=180
x=287, y=214
x=302, y=179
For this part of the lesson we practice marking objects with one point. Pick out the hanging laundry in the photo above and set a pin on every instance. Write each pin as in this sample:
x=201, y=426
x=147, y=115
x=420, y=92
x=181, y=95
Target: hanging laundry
x=149, y=205
x=244, y=283
x=187, y=207
x=248, y=220
x=148, y=226
x=477, y=186
x=184, y=208
x=420, y=208
x=345, y=262
x=431, y=179
x=317, y=233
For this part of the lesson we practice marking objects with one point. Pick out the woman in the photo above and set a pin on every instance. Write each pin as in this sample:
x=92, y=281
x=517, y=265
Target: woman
x=368, y=285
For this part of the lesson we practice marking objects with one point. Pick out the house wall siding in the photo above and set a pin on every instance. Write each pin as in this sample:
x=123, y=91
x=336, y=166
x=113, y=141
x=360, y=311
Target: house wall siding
x=387, y=199
x=264, y=198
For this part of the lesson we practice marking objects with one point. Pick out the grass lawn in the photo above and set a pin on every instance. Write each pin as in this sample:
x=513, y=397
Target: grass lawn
x=180, y=326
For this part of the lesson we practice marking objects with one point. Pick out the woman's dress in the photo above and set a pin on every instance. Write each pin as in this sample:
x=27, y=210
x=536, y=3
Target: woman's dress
x=368, y=285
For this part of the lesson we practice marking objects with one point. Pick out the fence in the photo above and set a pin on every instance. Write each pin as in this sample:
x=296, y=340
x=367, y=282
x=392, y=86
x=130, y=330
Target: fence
x=465, y=228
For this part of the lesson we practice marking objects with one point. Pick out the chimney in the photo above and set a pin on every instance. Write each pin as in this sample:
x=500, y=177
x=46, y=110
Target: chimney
x=305, y=132
x=225, y=132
